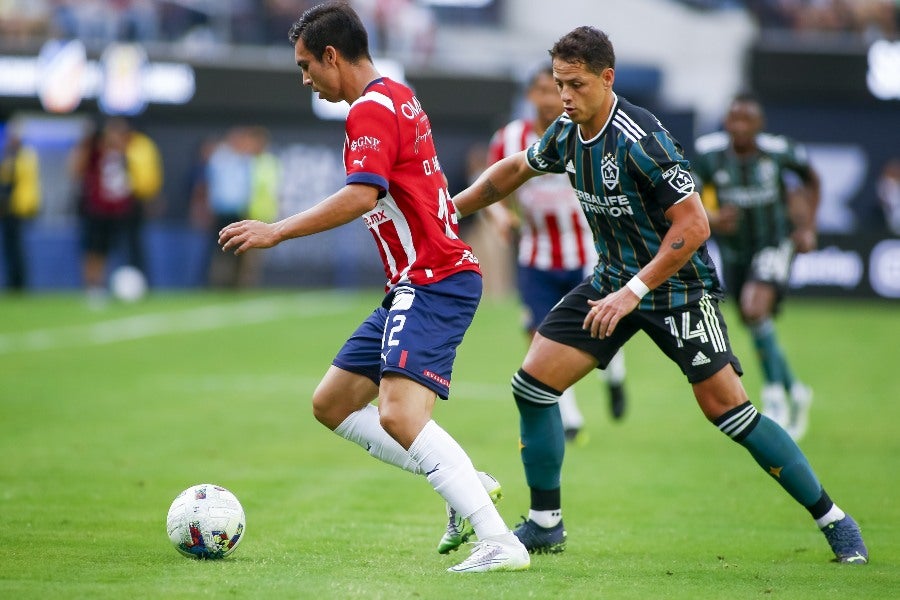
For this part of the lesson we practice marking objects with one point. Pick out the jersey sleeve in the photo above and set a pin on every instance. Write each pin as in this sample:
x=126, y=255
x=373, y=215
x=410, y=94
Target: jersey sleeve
x=657, y=163
x=797, y=161
x=545, y=155
x=372, y=143
x=495, y=148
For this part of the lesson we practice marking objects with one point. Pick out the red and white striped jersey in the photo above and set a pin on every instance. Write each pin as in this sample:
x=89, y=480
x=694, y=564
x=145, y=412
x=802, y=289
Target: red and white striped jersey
x=389, y=145
x=555, y=234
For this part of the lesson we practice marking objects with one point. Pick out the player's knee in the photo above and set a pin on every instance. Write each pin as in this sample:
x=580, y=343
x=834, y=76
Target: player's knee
x=327, y=412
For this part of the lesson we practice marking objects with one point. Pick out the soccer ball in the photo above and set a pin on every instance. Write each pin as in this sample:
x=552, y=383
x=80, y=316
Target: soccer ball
x=128, y=284
x=205, y=521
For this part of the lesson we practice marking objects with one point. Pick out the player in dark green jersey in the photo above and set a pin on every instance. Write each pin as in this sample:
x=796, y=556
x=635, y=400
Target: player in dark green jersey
x=760, y=223
x=653, y=275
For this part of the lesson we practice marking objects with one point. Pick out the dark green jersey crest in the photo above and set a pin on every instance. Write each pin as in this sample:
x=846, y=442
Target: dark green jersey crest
x=756, y=185
x=626, y=178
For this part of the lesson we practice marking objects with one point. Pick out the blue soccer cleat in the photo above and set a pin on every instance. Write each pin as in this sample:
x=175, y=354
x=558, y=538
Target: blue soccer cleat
x=845, y=540
x=541, y=540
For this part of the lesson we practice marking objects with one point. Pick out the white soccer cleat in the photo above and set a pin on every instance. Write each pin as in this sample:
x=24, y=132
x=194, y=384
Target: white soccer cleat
x=801, y=400
x=502, y=553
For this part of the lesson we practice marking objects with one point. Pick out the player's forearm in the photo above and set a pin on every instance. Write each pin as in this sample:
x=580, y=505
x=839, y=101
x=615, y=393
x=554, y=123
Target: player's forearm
x=688, y=231
x=345, y=205
x=496, y=183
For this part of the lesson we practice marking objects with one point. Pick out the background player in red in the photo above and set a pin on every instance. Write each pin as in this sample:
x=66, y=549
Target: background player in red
x=402, y=354
x=555, y=249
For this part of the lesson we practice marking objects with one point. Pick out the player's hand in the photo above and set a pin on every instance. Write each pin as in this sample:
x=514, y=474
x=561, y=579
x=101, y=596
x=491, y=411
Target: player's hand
x=606, y=313
x=243, y=235
x=503, y=221
x=805, y=239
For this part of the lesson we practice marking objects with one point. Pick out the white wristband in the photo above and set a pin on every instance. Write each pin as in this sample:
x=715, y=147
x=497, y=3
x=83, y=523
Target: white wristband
x=637, y=286
x=456, y=211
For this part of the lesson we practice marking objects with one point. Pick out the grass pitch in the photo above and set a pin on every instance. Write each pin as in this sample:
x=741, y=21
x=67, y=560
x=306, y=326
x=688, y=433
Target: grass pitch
x=106, y=415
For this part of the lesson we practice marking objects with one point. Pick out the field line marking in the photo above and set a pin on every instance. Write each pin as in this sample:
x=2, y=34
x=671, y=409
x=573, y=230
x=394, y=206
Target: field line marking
x=202, y=318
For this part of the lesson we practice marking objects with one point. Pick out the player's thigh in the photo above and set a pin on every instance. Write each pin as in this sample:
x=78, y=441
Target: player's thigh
x=556, y=364
x=339, y=394
x=425, y=325
x=767, y=280
x=563, y=351
x=758, y=300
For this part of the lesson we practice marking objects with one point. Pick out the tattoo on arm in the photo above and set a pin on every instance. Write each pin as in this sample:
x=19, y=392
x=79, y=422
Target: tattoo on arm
x=489, y=192
x=678, y=244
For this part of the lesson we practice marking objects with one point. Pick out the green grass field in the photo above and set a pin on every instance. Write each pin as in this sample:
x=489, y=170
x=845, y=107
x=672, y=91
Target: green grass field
x=106, y=415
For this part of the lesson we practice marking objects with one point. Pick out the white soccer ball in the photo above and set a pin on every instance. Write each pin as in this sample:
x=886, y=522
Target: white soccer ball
x=205, y=521
x=128, y=284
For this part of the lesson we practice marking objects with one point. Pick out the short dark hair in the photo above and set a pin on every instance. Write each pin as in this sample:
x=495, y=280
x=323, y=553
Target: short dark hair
x=746, y=96
x=588, y=46
x=545, y=68
x=332, y=24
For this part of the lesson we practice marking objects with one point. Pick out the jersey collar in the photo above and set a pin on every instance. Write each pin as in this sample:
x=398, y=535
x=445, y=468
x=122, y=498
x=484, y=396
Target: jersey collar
x=603, y=129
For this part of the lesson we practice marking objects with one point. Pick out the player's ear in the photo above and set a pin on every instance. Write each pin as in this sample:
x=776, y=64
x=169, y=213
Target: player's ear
x=608, y=76
x=330, y=55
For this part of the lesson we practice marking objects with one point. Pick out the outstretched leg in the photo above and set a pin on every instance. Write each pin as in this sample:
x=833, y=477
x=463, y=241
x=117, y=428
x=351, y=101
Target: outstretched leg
x=724, y=401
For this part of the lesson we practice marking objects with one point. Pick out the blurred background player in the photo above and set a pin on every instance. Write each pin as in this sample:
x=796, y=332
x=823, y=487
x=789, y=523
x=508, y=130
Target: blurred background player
x=118, y=170
x=20, y=196
x=555, y=249
x=761, y=194
x=403, y=353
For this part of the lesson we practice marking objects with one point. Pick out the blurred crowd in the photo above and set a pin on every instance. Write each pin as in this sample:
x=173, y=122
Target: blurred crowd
x=872, y=19
x=398, y=27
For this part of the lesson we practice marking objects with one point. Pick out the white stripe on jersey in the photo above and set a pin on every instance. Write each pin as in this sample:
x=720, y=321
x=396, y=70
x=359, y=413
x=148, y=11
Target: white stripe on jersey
x=628, y=127
x=513, y=138
x=377, y=97
x=404, y=233
x=555, y=233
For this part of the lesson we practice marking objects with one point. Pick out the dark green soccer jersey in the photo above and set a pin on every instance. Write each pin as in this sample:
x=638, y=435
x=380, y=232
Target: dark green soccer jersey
x=626, y=178
x=756, y=185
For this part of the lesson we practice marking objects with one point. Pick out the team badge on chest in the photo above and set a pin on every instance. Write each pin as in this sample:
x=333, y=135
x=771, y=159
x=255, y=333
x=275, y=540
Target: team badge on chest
x=610, y=171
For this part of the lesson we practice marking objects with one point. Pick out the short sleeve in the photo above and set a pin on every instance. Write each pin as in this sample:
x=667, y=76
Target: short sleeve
x=544, y=155
x=658, y=164
x=371, y=144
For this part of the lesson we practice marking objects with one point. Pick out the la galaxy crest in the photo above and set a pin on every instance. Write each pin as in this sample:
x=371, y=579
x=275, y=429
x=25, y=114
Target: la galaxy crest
x=679, y=179
x=610, y=171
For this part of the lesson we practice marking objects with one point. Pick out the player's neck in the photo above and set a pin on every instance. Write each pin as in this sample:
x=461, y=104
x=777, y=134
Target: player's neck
x=595, y=125
x=360, y=76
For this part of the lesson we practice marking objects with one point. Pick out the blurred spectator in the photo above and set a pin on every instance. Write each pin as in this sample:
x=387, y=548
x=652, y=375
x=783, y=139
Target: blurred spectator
x=119, y=170
x=21, y=20
x=242, y=179
x=872, y=19
x=20, y=196
x=889, y=194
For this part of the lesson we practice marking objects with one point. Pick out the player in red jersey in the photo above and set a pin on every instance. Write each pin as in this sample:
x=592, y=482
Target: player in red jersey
x=556, y=248
x=402, y=354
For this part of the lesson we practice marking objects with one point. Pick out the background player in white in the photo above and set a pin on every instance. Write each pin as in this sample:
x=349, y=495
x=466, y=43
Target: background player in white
x=403, y=353
x=556, y=249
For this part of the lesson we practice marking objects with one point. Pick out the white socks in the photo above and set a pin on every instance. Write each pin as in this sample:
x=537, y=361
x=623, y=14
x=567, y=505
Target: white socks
x=614, y=372
x=835, y=514
x=450, y=472
x=545, y=518
x=568, y=410
x=364, y=428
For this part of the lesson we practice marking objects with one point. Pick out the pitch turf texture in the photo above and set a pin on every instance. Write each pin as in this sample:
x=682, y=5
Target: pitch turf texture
x=107, y=415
